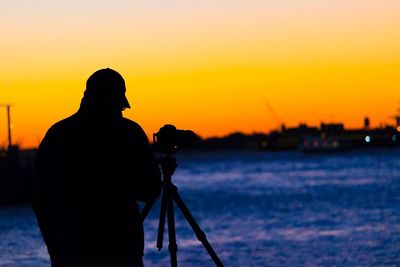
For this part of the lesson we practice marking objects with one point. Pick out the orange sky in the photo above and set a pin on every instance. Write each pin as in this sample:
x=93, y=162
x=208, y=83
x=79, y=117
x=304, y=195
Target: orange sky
x=202, y=65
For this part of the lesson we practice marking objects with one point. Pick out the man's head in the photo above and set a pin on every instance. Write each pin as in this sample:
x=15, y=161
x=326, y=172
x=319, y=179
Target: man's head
x=106, y=89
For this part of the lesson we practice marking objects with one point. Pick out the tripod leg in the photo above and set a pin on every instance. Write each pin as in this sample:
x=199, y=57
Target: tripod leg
x=161, y=223
x=173, y=248
x=196, y=228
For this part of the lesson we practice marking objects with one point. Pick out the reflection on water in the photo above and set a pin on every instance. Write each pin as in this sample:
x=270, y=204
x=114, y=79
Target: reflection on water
x=257, y=209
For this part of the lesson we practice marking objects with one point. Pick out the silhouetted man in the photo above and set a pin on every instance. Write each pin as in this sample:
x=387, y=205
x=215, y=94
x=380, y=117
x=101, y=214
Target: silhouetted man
x=91, y=169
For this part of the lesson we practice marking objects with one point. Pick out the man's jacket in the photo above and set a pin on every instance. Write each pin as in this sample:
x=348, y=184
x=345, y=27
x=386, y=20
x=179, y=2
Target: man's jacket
x=91, y=170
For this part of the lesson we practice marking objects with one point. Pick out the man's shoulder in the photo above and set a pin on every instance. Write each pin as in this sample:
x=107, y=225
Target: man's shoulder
x=133, y=129
x=131, y=125
x=57, y=132
x=62, y=125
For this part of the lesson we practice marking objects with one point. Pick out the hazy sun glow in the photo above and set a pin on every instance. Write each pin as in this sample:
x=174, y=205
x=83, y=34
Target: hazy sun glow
x=209, y=66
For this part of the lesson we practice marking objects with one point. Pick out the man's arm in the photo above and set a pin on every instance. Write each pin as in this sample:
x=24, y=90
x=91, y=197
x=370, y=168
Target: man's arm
x=42, y=203
x=149, y=182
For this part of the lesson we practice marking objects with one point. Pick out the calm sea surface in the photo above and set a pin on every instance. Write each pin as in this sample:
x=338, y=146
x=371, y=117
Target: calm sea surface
x=264, y=209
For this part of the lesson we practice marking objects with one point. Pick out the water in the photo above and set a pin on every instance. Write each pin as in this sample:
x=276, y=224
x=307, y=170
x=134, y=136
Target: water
x=264, y=209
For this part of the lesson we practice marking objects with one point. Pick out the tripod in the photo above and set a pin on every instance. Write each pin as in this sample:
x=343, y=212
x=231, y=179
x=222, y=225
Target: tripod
x=170, y=194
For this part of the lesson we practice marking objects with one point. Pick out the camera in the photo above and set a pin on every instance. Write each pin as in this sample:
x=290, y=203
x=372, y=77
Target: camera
x=169, y=139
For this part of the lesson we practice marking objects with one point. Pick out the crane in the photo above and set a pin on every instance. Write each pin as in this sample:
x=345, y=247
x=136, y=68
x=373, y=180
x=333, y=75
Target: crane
x=276, y=118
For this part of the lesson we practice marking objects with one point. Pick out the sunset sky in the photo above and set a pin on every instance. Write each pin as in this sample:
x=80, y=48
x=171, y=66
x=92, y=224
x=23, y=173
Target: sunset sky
x=210, y=66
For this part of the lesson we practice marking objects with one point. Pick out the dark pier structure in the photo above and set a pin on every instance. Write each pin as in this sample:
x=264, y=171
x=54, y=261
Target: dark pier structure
x=16, y=170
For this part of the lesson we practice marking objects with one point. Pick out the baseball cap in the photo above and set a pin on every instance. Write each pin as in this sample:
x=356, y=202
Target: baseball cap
x=108, y=84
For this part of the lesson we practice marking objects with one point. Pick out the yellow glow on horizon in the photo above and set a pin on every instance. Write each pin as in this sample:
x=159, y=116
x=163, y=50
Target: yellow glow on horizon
x=205, y=66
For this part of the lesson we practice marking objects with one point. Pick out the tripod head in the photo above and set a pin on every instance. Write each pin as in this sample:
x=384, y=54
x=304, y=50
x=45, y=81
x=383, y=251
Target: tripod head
x=168, y=166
